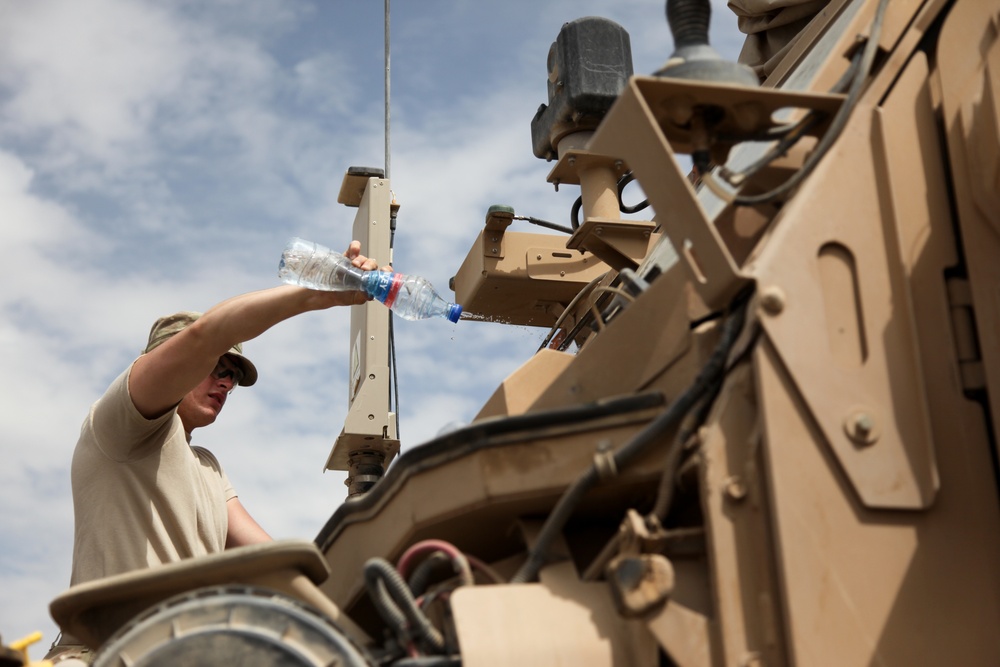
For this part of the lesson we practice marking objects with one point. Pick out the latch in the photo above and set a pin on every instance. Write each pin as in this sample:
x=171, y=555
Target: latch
x=498, y=219
x=963, y=326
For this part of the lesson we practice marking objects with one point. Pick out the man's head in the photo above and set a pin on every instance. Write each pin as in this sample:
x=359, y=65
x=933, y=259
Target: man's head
x=170, y=325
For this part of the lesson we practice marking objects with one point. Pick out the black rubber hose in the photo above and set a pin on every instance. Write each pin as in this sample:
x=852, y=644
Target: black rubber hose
x=838, y=122
x=422, y=573
x=430, y=661
x=574, y=213
x=395, y=603
x=703, y=384
x=622, y=183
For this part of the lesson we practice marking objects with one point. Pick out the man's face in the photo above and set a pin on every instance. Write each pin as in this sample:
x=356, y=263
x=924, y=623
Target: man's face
x=202, y=405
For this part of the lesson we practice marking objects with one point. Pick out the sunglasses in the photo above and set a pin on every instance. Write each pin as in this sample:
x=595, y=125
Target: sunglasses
x=224, y=371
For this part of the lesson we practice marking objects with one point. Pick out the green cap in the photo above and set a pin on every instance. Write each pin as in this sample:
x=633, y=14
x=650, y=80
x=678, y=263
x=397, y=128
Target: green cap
x=167, y=326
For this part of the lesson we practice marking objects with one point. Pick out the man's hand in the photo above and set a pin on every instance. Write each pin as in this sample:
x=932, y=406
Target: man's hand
x=323, y=299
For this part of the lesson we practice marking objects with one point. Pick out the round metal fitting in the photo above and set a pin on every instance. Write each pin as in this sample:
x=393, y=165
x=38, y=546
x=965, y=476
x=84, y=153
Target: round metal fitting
x=735, y=488
x=772, y=300
x=861, y=427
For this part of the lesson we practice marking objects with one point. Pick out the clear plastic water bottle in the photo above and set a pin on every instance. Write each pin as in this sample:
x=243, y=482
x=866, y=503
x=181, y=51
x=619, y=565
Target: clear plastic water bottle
x=317, y=267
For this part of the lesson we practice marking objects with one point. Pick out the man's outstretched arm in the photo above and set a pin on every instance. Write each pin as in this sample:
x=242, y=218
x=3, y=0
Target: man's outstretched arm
x=243, y=530
x=162, y=377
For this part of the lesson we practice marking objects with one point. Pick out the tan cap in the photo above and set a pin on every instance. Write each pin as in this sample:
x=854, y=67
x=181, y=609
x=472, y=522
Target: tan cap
x=167, y=326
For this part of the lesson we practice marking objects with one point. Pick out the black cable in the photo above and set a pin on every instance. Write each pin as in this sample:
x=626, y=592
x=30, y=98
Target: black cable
x=574, y=213
x=703, y=383
x=544, y=223
x=396, y=605
x=792, y=137
x=394, y=374
x=836, y=125
x=422, y=573
x=430, y=661
x=627, y=178
x=665, y=492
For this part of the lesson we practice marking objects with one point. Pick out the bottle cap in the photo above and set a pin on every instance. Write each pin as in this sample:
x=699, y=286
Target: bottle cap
x=454, y=312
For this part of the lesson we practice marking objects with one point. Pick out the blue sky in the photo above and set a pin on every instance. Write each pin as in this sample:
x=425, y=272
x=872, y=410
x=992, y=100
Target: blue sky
x=155, y=155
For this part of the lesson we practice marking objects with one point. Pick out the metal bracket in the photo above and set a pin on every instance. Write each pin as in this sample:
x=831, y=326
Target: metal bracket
x=621, y=244
x=645, y=127
x=369, y=433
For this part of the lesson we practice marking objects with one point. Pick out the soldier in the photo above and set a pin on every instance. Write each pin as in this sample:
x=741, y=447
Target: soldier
x=142, y=494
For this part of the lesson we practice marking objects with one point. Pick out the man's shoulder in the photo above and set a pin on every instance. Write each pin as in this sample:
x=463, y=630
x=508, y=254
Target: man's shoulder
x=206, y=456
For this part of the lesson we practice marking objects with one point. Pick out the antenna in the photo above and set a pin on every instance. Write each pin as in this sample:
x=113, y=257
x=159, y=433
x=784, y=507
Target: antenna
x=393, y=371
x=388, y=154
x=370, y=438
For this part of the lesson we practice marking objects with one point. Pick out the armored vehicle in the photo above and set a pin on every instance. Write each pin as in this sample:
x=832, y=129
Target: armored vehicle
x=761, y=428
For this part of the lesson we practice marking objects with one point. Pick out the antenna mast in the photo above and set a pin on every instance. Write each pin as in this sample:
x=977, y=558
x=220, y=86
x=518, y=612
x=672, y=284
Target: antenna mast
x=370, y=438
x=388, y=158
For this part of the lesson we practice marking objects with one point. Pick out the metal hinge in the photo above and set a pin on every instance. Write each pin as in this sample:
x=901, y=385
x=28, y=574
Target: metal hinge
x=963, y=326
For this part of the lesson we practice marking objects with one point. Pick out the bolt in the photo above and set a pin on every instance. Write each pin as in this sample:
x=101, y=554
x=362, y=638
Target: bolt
x=619, y=164
x=863, y=424
x=861, y=428
x=494, y=251
x=735, y=489
x=599, y=230
x=538, y=256
x=772, y=300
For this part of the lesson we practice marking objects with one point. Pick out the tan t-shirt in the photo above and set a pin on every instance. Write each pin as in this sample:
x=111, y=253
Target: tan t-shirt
x=142, y=495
